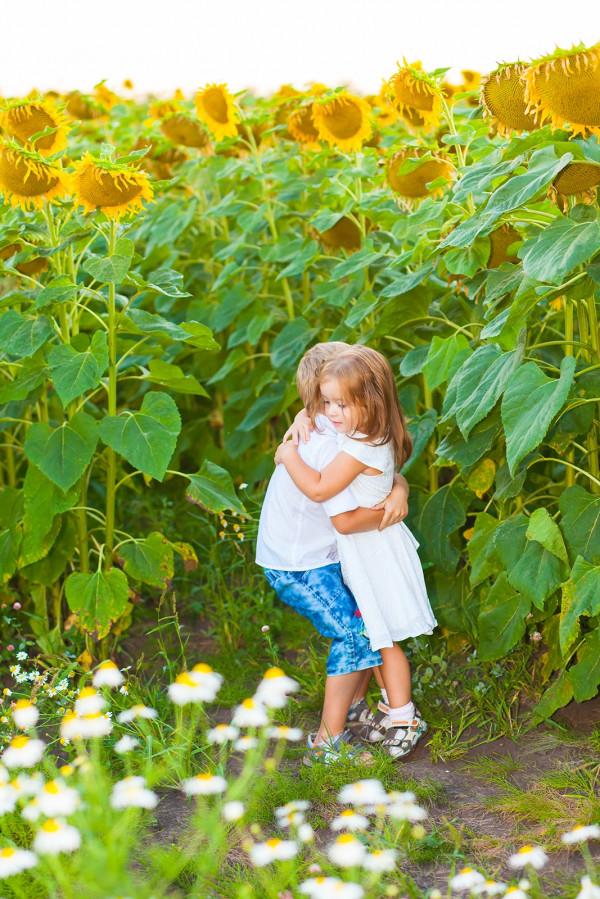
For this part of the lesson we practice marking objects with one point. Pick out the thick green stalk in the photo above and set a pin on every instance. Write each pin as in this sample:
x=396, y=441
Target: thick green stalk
x=111, y=476
x=592, y=440
x=570, y=453
x=432, y=470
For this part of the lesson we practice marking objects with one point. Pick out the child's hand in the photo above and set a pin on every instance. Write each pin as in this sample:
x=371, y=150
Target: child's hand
x=300, y=428
x=282, y=450
x=395, y=507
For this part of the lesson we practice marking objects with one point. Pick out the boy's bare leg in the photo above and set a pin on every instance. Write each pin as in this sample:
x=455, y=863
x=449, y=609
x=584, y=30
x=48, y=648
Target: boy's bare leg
x=363, y=687
x=339, y=690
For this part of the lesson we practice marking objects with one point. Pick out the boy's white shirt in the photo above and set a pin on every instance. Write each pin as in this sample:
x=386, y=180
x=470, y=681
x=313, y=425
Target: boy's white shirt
x=294, y=532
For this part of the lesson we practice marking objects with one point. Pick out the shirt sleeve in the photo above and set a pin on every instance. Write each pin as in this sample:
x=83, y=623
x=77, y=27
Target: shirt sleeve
x=370, y=454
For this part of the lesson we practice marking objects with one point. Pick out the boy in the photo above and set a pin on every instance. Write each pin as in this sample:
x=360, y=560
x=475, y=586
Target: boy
x=297, y=548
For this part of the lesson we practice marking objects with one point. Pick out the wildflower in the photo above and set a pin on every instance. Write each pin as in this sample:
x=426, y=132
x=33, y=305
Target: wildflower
x=285, y=733
x=233, y=811
x=589, y=890
x=349, y=820
x=13, y=861
x=205, y=677
x=131, y=792
x=244, y=744
x=185, y=689
x=10, y=647
x=273, y=850
x=15, y=669
x=204, y=785
x=363, y=792
x=114, y=188
x=126, y=744
x=23, y=752
x=8, y=797
x=503, y=98
x=329, y=887
x=56, y=836
x=274, y=687
x=403, y=807
x=346, y=851
x=17, y=606
x=89, y=702
x=265, y=628
x=85, y=727
x=222, y=733
x=25, y=714
x=410, y=89
x=305, y=833
x=243, y=486
x=529, y=855
x=57, y=799
x=343, y=121
x=215, y=107
x=380, y=860
x=467, y=879
x=107, y=675
x=581, y=833
x=7, y=692
x=250, y=714
x=296, y=805
x=136, y=711
x=21, y=656
x=28, y=785
x=490, y=888
x=516, y=893
x=294, y=819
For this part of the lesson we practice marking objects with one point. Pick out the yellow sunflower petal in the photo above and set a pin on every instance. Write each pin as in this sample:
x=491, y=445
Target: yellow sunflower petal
x=24, y=118
x=411, y=87
x=26, y=179
x=302, y=127
x=215, y=107
x=115, y=189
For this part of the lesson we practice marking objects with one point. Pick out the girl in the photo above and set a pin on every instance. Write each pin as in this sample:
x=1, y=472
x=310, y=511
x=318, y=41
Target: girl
x=382, y=568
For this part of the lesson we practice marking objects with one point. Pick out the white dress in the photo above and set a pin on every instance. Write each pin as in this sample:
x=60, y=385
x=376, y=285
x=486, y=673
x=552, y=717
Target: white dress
x=382, y=568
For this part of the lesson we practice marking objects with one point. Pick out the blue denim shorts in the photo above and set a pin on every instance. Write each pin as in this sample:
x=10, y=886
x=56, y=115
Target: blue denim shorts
x=321, y=596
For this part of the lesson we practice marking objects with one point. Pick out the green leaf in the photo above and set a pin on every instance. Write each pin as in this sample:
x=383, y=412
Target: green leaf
x=531, y=400
x=212, y=489
x=581, y=596
x=172, y=377
x=442, y=353
x=501, y=620
x=468, y=260
x=364, y=305
x=454, y=603
x=581, y=523
x=43, y=501
x=146, y=438
x=74, y=372
x=149, y=560
x=98, y=599
x=556, y=697
x=420, y=428
x=537, y=574
x=22, y=336
x=59, y=290
x=113, y=268
x=478, y=384
x=442, y=514
x=63, y=453
x=585, y=675
x=290, y=343
x=46, y=571
x=361, y=259
x=405, y=281
x=466, y=452
x=543, y=529
x=11, y=506
x=266, y=406
x=510, y=540
x=559, y=248
x=482, y=550
x=414, y=361
x=30, y=377
x=200, y=336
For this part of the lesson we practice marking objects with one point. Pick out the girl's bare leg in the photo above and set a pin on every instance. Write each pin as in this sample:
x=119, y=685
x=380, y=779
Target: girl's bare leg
x=396, y=675
x=339, y=690
x=362, y=689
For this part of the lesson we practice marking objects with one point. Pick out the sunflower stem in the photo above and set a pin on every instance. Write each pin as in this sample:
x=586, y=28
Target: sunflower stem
x=592, y=440
x=569, y=345
x=460, y=151
x=112, y=410
x=432, y=470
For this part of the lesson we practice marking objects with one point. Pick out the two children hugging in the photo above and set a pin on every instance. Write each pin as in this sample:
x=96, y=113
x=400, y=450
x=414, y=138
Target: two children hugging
x=336, y=499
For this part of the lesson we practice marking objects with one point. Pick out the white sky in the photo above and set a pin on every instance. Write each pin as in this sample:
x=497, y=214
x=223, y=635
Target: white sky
x=67, y=44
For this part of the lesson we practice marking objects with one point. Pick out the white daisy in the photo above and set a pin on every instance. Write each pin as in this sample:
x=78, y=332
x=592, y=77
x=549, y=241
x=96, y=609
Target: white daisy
x=346, y=851
x=589, y=890
x=8, y=798
x=296, y=805
x=222, y=733
x=274, y=850
x=516, y=893
x=233, y=811
x=349, y=820
x=528, y=855
x=185, y=690
x=56, y=836
x=274, y=688
x=285, y=733
x=244, y=744
x=581, y=833
x=380, y=860
x=204, y=785
x=331, y=888
x=126, y=744
x=132, y=792
x=210, y=681
x=107, y=674
x=85, y=727
x=490, y=888
x=467, y=879
x=23, y=752
x=363, y=792
x=89, y=702
x=56, y=799
x=136, y=711
x=403, y=807
x=250, y=714
x=305, y=833
x=13, y=861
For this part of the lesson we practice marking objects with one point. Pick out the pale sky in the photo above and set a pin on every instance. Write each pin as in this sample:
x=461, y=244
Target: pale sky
x=261, y=44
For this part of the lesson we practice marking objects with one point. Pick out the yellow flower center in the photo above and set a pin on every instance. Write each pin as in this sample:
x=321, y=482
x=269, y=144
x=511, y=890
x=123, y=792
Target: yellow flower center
x=23, y=704
x=103, y=188
x=185, y=679
x=51, y=825
x=525, y=849
x=248, y=703
x=215, y=104
x=273, y=842
x=52, y=787
x=87, y=692
x=345, y=838
x=107, y=666
x=274, y=672
x=20, y=742
x=7, y=852
x=205, y=776
x=23, y=176
x=202, y=668
x=29, y=119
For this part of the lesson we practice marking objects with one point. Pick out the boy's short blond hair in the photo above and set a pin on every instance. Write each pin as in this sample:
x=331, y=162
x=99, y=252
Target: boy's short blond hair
x=309, y=369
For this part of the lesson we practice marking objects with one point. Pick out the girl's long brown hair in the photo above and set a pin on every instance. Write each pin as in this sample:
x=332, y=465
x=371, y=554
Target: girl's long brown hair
x=366, y=380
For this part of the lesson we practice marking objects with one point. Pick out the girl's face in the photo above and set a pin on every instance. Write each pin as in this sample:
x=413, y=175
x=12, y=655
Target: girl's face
x=343, y=416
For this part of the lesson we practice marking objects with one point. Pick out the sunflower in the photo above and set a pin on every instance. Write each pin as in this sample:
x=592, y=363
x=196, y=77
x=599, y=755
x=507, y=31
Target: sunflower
x=24, y=118
x=302, y=128
x=576, y=179
x=79, y=106
x=384, y=112
x=500, y=240
x=412, y=117
x=163, y=108
x=214, y=106
x=344, y=234
x=503, y=98
x=184, y=130
x=128, y=84
x=114, y=188
x=27, y=179
x=411, y=87
x=414, y=183
x=106, y=97
x=565, y=88
x=343, y=121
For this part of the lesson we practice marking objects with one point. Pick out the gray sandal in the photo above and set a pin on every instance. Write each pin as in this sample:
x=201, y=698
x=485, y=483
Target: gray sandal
x=402, y=736
x=359, y=712
x=372, y=730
